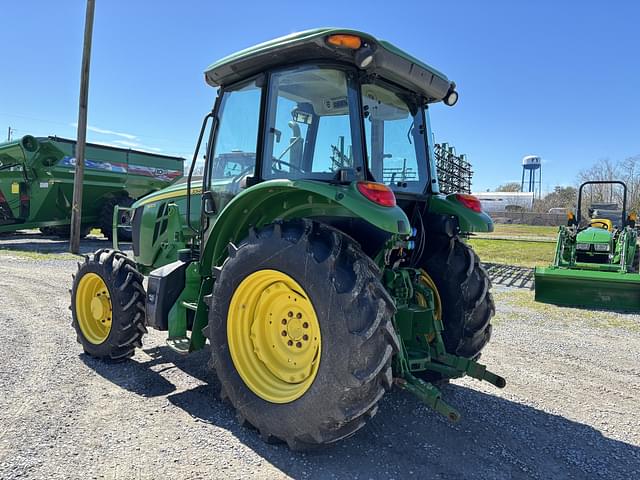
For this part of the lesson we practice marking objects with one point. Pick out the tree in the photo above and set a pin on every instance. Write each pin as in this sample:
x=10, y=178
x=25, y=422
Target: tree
x=561, y=197
x=627, y=170
x=509, y=187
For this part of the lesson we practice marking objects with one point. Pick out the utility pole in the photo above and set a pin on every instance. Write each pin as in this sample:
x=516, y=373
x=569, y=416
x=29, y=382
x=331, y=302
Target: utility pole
x=76, y=206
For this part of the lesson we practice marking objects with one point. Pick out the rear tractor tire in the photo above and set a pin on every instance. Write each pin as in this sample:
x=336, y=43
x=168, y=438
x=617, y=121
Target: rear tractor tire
x=108, y=305
x=462, y=286
x=106, y=218
x=301, y=334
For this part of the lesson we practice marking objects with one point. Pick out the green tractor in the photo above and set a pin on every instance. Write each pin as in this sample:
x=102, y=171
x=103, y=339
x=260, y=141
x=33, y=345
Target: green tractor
x=596, y=262
x=316, y=254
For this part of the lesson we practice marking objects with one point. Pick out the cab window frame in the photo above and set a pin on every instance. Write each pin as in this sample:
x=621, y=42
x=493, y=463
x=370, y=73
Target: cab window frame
x=356, y=127
x=413, y=100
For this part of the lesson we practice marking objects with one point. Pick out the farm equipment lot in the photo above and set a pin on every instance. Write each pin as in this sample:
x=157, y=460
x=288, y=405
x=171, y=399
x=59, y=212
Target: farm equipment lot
x=570, y=408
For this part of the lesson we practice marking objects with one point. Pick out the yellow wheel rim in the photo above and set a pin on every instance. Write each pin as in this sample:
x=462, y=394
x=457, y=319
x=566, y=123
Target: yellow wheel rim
x=93, y=308
x=274, y=336
x=426, y=280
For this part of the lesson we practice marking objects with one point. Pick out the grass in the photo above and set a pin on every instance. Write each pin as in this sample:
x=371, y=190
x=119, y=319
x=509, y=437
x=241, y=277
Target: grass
x=519, y=245
x=522, y=304
x=521, y=253
x=525, y=232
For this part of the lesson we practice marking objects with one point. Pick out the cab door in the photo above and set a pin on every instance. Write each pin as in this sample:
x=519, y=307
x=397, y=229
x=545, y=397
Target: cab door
x=231, y=157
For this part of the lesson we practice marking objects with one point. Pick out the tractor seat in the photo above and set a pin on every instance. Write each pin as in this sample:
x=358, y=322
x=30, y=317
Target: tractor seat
x=602, y=223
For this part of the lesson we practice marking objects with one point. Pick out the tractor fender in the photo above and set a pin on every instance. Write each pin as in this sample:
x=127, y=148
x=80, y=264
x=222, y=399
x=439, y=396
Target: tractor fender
x=468, y=220
x=275, y=200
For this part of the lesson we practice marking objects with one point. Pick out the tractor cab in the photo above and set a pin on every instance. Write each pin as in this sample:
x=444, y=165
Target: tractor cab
x=314, y=111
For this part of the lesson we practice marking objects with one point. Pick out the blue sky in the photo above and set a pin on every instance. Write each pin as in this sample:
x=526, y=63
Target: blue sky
x=558, y=79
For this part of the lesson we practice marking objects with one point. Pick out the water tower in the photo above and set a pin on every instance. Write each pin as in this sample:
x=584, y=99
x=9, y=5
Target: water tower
x=530, y=165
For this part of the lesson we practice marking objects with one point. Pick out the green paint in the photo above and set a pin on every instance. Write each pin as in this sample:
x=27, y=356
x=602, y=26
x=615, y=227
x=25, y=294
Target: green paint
x=582, y=276
x=588, y=288
x=388, y=61
x=593, y=235
x=421, y=345
x=262, y=204
x=469, y=220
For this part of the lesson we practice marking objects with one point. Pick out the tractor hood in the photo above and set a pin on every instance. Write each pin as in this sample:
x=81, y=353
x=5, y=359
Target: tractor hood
x=593, y=235
x=177, y=190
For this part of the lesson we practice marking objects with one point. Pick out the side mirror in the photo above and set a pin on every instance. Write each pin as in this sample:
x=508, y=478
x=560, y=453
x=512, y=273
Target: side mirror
x=208, y=204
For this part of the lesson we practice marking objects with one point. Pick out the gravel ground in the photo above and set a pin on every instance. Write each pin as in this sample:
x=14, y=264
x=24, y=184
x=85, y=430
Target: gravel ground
x=570, y=408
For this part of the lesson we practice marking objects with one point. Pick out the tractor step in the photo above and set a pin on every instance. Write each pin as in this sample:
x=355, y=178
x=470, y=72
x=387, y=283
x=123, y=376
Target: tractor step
x=179, y=345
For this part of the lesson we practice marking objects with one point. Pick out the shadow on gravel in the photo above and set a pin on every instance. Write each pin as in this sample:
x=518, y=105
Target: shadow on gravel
x=510, y=275
x=496, y=438
x=143, y=378
x=37, y=242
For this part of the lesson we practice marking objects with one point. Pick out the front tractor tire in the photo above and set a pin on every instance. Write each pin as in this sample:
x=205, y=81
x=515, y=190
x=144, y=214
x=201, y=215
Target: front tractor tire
x=107, y=305
x=301, y=334
x=463, y=287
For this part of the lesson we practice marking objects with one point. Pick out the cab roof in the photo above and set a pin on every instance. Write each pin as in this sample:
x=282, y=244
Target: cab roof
x=389, y=62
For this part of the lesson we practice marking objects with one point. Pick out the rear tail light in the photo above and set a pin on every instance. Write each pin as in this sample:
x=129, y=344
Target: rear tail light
x=377, y=193
x=469, y=201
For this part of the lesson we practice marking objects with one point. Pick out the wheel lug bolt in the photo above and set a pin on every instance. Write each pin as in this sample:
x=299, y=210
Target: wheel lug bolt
x=290, y=314
x=284, y=321
x=299, y=315
x=284, y=333
x=299, y=344
x=305, y=337
x=305, y=325
x=290, y=342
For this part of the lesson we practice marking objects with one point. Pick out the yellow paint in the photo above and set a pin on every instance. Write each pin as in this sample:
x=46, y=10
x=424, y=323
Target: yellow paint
x=93, y=308
x=15, y=188
x=428, y=282
x=174, y=194
x=274, y=336
x=602, y=223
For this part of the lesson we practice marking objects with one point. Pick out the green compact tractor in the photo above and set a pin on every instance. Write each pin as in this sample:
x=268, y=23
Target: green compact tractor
x=316, y=254
x=595, y=264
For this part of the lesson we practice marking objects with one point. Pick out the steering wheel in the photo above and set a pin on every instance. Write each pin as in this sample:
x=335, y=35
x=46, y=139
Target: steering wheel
x=234, y=185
